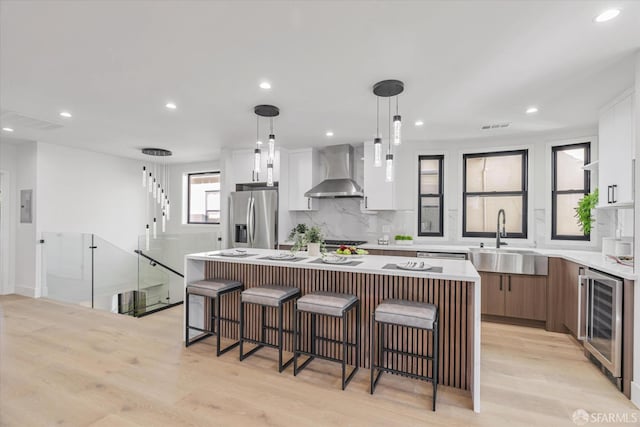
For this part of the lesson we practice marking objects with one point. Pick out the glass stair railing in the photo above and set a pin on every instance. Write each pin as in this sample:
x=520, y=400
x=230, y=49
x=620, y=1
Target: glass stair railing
x=88, y=270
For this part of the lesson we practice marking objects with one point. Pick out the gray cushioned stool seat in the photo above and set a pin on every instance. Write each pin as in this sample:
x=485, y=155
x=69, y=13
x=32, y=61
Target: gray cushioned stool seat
x=212, y=287
x=407, y=313
x=329, y=303
x=270, y=295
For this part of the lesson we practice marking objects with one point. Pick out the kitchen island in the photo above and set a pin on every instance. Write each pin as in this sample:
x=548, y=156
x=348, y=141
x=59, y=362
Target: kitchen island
x=453, y=285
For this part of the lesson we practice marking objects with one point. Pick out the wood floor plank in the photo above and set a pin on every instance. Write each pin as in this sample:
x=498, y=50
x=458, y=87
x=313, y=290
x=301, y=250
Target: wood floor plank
x=68, y=365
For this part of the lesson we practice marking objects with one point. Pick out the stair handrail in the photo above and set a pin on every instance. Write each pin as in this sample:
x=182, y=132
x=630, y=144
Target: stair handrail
x=142, y=254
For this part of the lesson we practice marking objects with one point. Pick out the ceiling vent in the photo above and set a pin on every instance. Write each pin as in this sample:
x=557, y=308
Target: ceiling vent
x=20, y=121
x=495, y=126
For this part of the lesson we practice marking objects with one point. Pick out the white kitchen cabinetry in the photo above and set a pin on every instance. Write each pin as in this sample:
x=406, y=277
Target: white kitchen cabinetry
x=242, y=172
x=616, y=152
x=379, y=195
x=304, y=174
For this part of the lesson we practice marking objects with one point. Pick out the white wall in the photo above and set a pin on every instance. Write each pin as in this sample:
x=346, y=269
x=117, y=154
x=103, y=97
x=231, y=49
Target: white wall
x=82, y=191
x=342, y=218
x=8, y=221
x=635, y=385
x=18, y=161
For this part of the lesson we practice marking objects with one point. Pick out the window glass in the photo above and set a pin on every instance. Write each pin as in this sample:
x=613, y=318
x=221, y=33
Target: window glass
x=430, y=195
x=570, y=184
x=204, y=198
x=495, y=181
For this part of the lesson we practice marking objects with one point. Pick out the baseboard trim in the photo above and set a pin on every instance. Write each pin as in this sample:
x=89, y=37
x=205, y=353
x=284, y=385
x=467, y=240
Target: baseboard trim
x=635, y=393
x=25, y=291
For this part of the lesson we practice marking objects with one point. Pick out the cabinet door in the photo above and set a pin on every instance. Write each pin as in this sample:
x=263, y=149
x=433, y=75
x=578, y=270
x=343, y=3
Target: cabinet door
x=378, y=194
x=242, y=161
x=572, y=287
x=526, y=297
x=302, y=173
x=623, y=149
x=492, y=294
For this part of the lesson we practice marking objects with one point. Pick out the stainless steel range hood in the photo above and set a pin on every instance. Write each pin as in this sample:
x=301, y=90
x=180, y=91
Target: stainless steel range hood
x=339, y=182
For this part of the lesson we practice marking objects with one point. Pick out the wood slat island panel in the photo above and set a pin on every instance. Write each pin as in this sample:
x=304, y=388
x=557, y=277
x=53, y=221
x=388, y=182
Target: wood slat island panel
x=454, y=299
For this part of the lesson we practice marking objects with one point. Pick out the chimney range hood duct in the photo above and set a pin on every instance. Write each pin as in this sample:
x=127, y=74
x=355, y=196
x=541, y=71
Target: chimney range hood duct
x=339, y=182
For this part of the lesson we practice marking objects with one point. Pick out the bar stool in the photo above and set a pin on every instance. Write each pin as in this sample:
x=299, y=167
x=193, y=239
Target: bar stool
x=332, y=305
x=407, y=314
x=212, y=290
x=266, y=296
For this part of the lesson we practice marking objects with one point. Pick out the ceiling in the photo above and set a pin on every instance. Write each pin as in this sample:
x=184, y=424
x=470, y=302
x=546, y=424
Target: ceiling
x=115, y=65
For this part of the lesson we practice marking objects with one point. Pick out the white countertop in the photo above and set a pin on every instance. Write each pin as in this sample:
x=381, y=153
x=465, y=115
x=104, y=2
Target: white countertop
x=591, y=259
x=418, y=247
x=451, y=269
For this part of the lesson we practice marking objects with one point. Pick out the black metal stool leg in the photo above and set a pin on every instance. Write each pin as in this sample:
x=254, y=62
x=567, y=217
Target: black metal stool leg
x=241, y=336
x=280, y=334
x=434, y=373
x=372, y=346
x=345, y=315
x=296, y=339
x=217, y=324
x=186, y=322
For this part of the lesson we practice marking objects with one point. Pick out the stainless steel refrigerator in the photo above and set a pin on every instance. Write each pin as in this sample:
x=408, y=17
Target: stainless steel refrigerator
x=253, y=219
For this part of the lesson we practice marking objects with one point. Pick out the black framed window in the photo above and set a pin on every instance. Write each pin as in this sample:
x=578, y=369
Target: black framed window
x=203, y=204
x=570, y=183
x=494, y=181
x=430, y=195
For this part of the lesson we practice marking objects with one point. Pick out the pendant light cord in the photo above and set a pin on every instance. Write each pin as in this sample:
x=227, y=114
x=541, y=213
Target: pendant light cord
x=257, y=130
x=396, y=105
x=389, y=125
x=271, y=125
x=377, y=117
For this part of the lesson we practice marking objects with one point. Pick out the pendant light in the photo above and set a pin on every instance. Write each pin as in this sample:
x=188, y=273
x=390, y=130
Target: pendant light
x=257, y=152
x=397, y=125
x=388, y=176
x=156, y=179
x=388, y=89
x=377, y=142
x=269, y=111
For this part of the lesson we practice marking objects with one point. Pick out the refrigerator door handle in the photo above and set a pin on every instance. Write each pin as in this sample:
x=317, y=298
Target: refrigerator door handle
x=253, y=220
x=581, y=281
x=249, y=221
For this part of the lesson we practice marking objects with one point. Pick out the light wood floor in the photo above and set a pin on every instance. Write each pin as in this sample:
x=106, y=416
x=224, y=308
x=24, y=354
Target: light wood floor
x=68, y=365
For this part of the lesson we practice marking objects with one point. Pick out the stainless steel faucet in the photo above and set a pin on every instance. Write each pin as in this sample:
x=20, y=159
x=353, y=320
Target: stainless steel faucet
x=502, y=234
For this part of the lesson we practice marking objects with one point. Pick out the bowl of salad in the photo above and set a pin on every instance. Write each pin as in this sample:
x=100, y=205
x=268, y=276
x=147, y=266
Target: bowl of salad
x=350, y=252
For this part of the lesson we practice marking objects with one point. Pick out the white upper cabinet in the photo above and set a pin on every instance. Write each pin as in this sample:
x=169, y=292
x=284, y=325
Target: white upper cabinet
x=242, y=161
x=379, y=195
x=616, y=152
x=304, y=173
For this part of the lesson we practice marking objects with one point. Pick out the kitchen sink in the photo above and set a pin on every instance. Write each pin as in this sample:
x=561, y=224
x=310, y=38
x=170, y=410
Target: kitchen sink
x=512, y=261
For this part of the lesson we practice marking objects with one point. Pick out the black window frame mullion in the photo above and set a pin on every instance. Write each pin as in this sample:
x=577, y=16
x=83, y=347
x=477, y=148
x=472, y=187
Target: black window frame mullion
x=524, y=193
x=440, y=195
x=189, y=175
x=554, y=193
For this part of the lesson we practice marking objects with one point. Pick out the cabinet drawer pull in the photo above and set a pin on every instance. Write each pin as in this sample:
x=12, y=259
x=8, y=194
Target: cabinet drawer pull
x=509, y=283
x=500, y=282
x=309, y=203
x=613, y=193
x=609, y=194
x=366, y=204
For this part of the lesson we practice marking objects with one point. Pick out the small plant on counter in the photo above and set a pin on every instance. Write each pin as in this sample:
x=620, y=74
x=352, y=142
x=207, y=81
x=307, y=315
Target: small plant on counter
x=315, y=241
x=583, y=211
x=298, y=237
x=403, y=237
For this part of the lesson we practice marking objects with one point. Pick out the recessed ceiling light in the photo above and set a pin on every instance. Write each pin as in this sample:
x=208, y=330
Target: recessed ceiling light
x=329, y=133
x=419, y=123
x=607, y=15
x=65, y=114
x=265, y=85
x=7, y=129
x=532, y=110
x=171, y=105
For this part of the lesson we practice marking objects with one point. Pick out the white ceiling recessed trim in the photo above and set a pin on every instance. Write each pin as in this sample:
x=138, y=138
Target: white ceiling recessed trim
x=532, y=110
x=329, y=133
x=65, y=114
x=607, y=15
x=265, y=85
x=419, y=123
x=170, y=106
x=7, y=129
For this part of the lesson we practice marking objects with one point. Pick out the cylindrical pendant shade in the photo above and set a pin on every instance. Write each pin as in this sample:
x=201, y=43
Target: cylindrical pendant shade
x=397, y=125
x=256, y=160
x=144, y=176
x=168, y=210
x=146, y=236
x=150, y=183
x=155, y=229
x=164, y=223
x=270, y=175
x=377, y=152
x=272, y=148
x=389, y=171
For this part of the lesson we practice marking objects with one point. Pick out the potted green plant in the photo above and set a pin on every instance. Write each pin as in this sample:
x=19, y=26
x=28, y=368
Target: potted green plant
x=298, y=237
x=583, y=211
x=314, y=239
x=403, y=239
